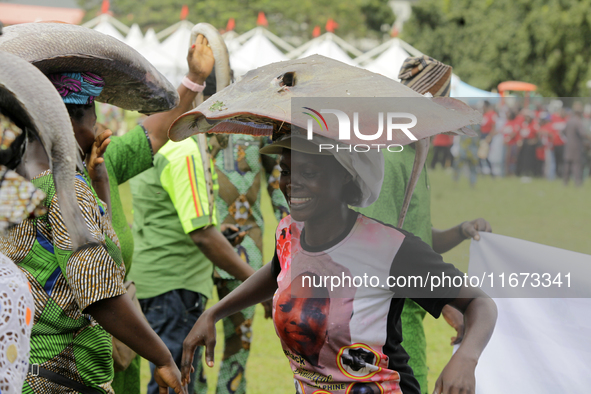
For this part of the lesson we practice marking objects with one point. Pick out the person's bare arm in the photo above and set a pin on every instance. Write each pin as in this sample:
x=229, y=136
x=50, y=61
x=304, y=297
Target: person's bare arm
x=121, y=319
x=445, y=240
x=220, y=252
x=258, y=288
x=200, y=60
x=480, y=315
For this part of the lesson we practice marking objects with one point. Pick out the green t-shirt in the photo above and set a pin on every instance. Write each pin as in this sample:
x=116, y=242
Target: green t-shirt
x=126, y=157
x=170, y=200
x=398, y=167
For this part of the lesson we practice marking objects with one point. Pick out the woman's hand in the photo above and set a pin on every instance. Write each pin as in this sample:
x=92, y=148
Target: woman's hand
x=200, y=60
x=169, y=376
x=97, y=171
x=457, y=376
x=454, y=318
x=202, y=334
x=236, y=240
x=470, y=229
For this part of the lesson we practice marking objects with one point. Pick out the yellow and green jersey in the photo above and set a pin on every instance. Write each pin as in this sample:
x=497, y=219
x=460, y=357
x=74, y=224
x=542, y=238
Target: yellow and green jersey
x=170, y=201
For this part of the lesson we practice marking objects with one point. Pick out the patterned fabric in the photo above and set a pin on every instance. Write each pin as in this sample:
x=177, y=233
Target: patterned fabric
x=240, y=167
x=17, y=308
x=64, y=283
x=78, y=88
x=237, y=340
x=423, y=74
x=18, y=198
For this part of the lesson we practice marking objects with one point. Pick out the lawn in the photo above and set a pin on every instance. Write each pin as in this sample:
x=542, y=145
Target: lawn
x=539, y=211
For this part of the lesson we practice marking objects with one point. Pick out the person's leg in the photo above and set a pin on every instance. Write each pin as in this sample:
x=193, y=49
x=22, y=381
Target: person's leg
x=566, y=168
x=172, y=315
x=578, y=172
x=237, y=339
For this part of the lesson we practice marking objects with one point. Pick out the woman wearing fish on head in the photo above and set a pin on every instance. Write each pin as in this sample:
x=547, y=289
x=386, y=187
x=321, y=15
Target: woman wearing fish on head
x=335, y=308
x=354, y=338
x=80, y=295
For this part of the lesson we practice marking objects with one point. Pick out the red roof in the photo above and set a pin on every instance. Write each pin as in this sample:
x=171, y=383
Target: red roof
x=11, y=14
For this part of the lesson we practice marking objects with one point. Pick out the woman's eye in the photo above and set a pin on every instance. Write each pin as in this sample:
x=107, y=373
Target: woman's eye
x=284, y=173
x=286, y=307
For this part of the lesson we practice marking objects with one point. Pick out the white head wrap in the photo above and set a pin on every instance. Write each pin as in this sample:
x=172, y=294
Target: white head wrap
x=367, y=168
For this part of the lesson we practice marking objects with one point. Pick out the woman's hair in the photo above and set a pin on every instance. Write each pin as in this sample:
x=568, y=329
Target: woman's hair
x=76, y=111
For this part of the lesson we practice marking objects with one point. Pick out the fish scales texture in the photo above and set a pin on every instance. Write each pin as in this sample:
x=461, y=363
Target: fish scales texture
x=30, y=99
x=131, y=82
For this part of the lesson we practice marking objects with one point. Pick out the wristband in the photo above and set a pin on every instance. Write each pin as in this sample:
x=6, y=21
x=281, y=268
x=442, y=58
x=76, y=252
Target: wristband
x=192, y=86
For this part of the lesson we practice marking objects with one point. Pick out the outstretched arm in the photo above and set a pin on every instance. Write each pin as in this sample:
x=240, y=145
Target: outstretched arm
x=258, y=288
x=121, y=319
x=200, y=60
x=220, y=252
x=445, y=240
x=480, y=315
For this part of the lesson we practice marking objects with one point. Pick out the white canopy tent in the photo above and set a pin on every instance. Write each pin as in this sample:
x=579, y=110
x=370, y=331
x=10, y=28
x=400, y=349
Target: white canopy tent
x=108, y=25
x=231, y=40
x=329, y=45
x=175, y=48
x=257, y=51
x=151, y=49
x=134, y=38
x=390, y=56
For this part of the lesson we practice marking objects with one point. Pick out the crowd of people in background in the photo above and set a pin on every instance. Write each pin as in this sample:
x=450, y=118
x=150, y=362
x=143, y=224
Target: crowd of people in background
x=550, y=140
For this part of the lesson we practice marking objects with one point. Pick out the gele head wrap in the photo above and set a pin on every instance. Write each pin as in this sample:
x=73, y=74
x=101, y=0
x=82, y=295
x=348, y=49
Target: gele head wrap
x=77, y=88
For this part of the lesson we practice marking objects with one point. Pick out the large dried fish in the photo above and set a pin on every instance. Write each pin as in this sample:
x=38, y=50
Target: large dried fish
x=29, y=99
x=261, y=101
x=131, y=82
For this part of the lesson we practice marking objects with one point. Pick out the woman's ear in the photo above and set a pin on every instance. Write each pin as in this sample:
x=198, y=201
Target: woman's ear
x=347, y=177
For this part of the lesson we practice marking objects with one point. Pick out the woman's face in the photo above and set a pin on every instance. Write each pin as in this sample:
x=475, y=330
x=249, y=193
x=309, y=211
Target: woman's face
x=84, y=129
x=311, y=184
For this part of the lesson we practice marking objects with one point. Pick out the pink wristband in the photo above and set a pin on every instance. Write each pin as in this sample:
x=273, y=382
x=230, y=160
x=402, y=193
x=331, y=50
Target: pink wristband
x=192, y=86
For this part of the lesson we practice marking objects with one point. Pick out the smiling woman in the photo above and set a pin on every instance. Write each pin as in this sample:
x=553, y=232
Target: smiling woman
x=336, y=339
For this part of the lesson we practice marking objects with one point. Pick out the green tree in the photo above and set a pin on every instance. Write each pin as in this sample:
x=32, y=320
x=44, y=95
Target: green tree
x=356, y=18
x=545, y=42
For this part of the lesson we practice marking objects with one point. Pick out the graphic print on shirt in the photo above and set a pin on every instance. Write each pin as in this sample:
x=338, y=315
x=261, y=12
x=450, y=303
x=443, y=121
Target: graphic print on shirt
x=334, y=336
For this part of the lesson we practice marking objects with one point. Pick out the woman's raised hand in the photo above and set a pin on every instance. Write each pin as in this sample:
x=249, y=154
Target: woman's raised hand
x=202, y=334
x=96, y=163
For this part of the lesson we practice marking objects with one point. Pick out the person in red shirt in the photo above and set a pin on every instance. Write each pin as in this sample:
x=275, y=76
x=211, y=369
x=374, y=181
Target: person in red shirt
x=526, y=160
x=512, y=139
x=442, y=150
x=487, y=132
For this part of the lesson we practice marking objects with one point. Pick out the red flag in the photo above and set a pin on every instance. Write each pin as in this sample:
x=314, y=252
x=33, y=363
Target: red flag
x=184, y=12
x=262, y=19
x=331, y=25
x=105, y=7
x=316, y=31
x=231, y=24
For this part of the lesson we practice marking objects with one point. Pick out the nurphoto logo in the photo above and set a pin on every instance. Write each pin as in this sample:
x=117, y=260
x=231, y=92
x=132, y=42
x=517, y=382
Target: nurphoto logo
x=392, y=123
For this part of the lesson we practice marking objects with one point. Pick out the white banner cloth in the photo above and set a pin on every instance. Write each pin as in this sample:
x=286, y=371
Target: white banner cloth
x=540, y=345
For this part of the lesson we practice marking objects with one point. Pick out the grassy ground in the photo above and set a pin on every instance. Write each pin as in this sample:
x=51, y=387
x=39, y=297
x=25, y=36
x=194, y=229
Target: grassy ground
x=540, y=211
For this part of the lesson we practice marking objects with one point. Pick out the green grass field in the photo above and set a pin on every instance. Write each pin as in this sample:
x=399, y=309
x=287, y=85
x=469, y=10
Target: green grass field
x=540, y=211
